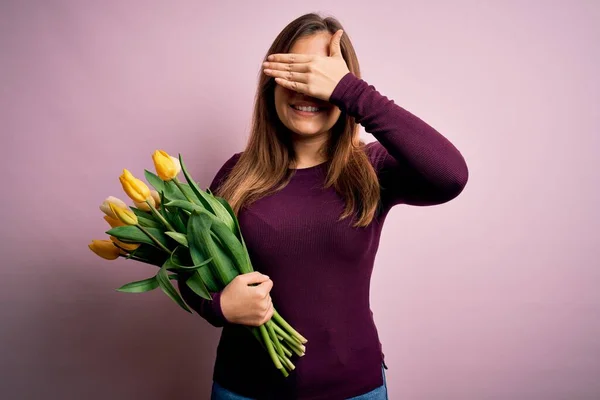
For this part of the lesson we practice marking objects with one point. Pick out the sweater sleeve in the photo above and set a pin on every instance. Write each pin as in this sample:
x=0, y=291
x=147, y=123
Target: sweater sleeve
x=210, y=310
x=415, y=164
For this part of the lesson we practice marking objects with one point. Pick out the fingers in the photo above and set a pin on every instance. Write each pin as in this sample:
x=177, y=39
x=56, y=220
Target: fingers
x=262, y=313
x=291, y=72
x=293, y=85
x=277, y=66
x=268, y=313
x=334, y=45
x=288, y=75
x=253, y=277
x=291, y=57
x=264, y=289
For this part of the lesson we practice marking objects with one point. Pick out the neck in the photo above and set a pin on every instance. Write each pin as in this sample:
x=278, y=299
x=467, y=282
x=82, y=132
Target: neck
x=310, y=149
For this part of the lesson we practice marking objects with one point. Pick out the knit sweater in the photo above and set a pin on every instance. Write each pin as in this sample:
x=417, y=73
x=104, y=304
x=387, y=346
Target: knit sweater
x=321, y=267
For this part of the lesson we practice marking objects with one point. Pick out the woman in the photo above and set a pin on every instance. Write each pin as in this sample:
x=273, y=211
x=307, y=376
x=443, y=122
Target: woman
x=311, y=199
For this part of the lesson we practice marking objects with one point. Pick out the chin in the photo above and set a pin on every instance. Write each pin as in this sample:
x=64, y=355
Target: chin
x=312, y=128
x=308, y=130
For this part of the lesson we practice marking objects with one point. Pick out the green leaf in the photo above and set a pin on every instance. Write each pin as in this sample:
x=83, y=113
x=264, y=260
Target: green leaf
x=186, y=205
x=174, y=193
x=195, y=283
x=237, y=230
x=172, y=216
x=133, y=234
x=178, y=260
x=162, y=210
x=208, y=201
x=146, y=219
x=144, y=285
x=141, y=213
x=232, y=246
x=150, y=254
x=163, y=279
x=178, y=237
x=203, y=246
x=206, y=273
x=154, y=181
x=236, y=224
x=208, y=277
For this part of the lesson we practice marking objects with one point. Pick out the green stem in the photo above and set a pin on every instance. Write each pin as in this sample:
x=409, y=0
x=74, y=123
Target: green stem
x=270, y=349
x=271, y=331
x=182, y=191
x=130, y=257
x=160, y=217
x=287, y=363
x=255, y=332
x=155, y=240
x=287, y=352
x=293, y=343
x=284, y=369
x=279, y=319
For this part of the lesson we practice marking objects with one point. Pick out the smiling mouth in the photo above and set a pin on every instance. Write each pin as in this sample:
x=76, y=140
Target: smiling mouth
x=307, y=110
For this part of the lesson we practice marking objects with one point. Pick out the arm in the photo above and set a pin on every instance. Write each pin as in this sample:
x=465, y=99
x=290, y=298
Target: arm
x=207, y=309
x=416, y=165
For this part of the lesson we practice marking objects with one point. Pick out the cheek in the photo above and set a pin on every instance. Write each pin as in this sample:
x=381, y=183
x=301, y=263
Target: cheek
x=281, y=101
x=333, y=116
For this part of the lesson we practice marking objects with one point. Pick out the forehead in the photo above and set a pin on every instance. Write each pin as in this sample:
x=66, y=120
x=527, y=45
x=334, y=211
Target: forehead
x=317, y=43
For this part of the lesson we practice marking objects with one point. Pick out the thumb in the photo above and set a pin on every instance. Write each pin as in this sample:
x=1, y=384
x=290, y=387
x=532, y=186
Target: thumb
x=254, y=277
x=335, y=49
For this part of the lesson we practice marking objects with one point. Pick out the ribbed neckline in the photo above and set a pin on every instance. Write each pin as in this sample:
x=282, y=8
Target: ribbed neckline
x=308, y=170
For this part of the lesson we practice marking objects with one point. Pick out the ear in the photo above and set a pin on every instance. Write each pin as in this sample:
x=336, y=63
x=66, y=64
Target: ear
x=335, y=49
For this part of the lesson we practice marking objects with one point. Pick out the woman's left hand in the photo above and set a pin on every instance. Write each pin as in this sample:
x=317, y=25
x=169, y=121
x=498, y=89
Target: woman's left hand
x=311, y=74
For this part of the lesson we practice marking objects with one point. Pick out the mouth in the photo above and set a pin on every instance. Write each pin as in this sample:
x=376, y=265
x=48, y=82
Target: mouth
x=307, y=110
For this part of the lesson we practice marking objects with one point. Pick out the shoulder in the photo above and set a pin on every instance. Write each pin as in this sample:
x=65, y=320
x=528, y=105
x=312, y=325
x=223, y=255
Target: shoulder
x=224, y=170
x=376, y=153
x=231, y=161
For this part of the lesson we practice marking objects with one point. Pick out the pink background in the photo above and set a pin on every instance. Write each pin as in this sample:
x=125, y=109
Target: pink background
x=502, y=304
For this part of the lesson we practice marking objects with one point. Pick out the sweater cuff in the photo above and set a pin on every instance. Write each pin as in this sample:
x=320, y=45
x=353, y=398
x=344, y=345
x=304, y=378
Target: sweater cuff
x=339, y=95
x=217, y=311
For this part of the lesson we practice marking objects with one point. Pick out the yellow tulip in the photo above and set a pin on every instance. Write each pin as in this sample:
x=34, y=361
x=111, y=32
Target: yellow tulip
x=113, y=222
x=111, y=199
x=125, y=215
x=123, y=245
x=135, y=188
x=156, y=196
x=105, y=249
x=144, y=206
x=167, y=167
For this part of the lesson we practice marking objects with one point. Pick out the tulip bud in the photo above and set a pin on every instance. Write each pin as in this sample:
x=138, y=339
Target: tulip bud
x=144, y=206
x=113, y=222
x=105, y=249
x=125, y=215
x=156, y=196
x=111, y=199
x=135, y=188
x=167, y=167
x=123, y=245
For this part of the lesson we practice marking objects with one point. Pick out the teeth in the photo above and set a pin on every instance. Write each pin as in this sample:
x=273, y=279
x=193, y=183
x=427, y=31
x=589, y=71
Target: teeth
x=305, y=108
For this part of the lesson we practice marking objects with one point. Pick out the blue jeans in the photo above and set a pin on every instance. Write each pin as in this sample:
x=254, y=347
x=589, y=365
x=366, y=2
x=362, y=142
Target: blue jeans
x=220, y=393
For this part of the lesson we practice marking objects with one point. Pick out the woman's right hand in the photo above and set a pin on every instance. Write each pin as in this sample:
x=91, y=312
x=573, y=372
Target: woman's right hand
x=248, y=305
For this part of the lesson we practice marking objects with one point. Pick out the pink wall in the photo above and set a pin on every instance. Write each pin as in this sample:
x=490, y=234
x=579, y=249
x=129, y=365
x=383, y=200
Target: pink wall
x=504, y=305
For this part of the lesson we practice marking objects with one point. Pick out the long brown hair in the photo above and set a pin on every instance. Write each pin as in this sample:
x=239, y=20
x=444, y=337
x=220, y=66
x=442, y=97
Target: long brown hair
x=263, y=167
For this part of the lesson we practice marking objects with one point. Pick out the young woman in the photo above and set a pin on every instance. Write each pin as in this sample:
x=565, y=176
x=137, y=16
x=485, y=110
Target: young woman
x=311, y=199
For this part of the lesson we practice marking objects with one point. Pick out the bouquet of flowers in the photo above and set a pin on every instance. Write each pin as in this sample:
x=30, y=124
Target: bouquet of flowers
x=193, y=237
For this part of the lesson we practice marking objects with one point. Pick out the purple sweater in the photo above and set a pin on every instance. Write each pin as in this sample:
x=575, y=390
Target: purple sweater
x=321, y=268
